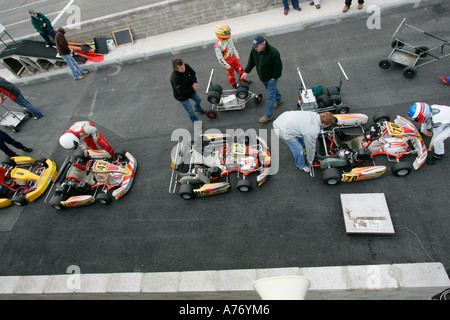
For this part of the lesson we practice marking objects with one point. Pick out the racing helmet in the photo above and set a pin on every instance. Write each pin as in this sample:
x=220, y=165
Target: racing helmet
x=223, y=31
x=420, y=112
x=69, y=141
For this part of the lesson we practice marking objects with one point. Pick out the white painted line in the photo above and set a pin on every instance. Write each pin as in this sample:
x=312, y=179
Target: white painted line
x=63, y=11
x=26, y=5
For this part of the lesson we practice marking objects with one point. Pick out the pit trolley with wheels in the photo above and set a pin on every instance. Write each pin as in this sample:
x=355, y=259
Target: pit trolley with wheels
x=226, y=100
x=412, y=57
x=11, y=119
x=330, y=100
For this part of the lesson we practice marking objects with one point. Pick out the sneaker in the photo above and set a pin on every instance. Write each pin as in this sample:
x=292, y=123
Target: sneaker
x=318, y=6
x=79, y=78
x=27, y=149
x=85, y=72
x=360, y=6
x=444, y=80
x=265, y=119
x=298, y=9
x=434, y=159
x=305, y=169
x=286, y=12
x=346, y=8
x=47, y=46
x=277, y=104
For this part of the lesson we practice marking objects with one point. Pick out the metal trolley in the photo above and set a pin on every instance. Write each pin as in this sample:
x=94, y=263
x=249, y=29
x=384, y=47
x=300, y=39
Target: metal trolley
x=410, y=56
x=226, y=100
x=330, y=100
x=12, y=119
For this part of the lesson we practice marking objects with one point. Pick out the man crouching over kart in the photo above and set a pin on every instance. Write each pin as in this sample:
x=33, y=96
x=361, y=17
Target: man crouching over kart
x=302, y=127
x=87, y=136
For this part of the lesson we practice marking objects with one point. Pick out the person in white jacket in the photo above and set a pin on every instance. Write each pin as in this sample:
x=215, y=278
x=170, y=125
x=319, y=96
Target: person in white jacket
x=302, y=127
x=435, y=123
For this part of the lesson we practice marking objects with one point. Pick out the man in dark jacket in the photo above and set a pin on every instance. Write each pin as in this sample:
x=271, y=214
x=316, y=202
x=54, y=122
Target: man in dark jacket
x=62, y=47
x=11, y=91
x=269, y=67
x=185, y=86
x=42, y=25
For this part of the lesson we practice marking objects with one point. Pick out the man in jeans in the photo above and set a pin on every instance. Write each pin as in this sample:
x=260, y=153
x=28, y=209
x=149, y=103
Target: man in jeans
x=269, y=67
x=185, y=86
x=62, y=47
x=11, y=91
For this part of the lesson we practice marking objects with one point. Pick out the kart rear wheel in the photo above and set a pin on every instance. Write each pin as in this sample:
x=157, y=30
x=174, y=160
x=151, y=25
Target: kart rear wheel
x=401, y=169
x=217, y=87
x=186, y=191
x=381, y=116
x=331, y=176
x=244, y=185
x=19, y=201
x=323, y=101
x=342, y=109
x=103, y=198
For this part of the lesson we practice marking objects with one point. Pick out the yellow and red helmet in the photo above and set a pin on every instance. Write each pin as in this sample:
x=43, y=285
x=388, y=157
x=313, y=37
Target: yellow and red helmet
x=223, y=31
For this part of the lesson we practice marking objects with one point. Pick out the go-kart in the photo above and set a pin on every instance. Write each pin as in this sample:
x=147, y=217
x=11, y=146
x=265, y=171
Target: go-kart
x=95, y=178
x=196, y=165
x=23, y=179
x=226, y=100
x=347, y=145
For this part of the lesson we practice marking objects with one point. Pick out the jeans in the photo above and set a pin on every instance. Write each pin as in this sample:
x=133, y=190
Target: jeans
x=24, y=103
x=44, y=34
x=4, y=137
x=73, y=66
x=273, y=95
x=297, y=150
x=286, y=4
x=188, y=107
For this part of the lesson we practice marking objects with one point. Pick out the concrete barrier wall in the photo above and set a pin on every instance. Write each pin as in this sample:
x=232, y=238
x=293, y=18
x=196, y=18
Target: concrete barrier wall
x=419, y=281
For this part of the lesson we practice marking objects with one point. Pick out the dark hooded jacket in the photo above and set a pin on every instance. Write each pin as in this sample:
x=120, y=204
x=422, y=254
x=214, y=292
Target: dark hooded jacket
x=62, y=46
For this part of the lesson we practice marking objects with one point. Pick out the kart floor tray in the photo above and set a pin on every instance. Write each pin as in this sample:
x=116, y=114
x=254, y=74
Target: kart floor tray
x=366, y=213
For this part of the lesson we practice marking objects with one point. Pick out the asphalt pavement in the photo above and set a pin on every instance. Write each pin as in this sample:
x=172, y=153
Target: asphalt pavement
x=292, y=220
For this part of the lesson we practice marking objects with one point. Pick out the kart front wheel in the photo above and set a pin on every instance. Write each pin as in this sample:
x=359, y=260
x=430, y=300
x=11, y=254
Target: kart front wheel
x=56, y=203
x=331, y=176
x=103, y=198
x=258, y=98
x=186, y=191
x=244, y=185
x=342, y=109
x=211, y=114
x=401, y=169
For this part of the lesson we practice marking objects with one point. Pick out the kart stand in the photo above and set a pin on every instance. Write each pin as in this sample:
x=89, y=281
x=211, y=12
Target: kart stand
x=12, y=119
x=412, y=57
x=366, y=213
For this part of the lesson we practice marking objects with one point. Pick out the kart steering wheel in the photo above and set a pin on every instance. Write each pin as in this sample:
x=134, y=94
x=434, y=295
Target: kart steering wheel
x=374, y=132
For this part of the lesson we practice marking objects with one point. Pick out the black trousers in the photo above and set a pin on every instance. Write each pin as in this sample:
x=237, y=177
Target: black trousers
x=5, y=138
x=348, y=3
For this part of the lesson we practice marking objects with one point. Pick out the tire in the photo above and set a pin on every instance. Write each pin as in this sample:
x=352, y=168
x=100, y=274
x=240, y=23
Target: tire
x=333, y=91
x=19, y=201
x=323, y=101
x=258, y=98
x=242, y=93
x=385, y=64
x=401, y=169
x=120, y=155
x=342, y=109
x=56, y=203
x=211, y=114
x=186, y=191
x=103, y=198
x=409, y=72
x=381, y=116
x=217, y=87
x=244, y=185
x=397, y=44
x=244, y=85
x=422, y=51
x=214, y=97
x=336, y=100
x=331, y=176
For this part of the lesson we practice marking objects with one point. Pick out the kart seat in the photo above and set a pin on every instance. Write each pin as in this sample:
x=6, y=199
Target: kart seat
x=351, y=137
x=77, y=172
